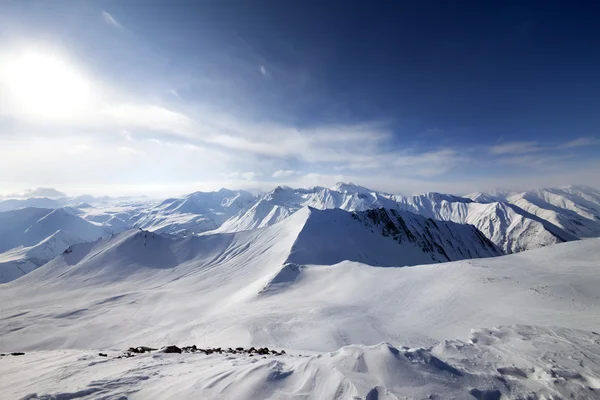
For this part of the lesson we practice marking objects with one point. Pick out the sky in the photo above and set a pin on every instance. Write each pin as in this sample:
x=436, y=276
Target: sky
x=168, y=97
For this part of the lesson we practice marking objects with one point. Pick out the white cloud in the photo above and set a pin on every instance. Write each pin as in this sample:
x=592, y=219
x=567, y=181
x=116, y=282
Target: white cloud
x=38, y=192
x=78, y=149
x=126, y=135
x=128, y=150
x=581, y=142
x=249, y=176
x=264, y=71
x=284, y=173
x=178, y=143
x=109, y=19
x=515, y=148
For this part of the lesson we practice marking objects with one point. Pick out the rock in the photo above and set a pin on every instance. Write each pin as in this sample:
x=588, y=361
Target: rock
x=239, y=349
x=140, y=349
x=171, y=349
x=17, y=354
x=102, y=355
x=283, y=352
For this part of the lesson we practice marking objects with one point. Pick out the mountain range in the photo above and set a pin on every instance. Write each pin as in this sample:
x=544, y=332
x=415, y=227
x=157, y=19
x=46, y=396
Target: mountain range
x=364, y=295
x=512, y=222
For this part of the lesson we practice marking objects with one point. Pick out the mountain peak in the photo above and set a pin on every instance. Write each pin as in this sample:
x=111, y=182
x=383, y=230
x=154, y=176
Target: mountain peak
x=350, y=188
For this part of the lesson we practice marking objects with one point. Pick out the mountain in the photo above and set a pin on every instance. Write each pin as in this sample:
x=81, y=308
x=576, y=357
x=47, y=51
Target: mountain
x=278, y=285
x=194, y=213
x=575, y=209
x=514, y=222
x=383, y=237
x=509, y=227
x=321, y=237
x=30, y=237
x=38, y=202
x=328, y=287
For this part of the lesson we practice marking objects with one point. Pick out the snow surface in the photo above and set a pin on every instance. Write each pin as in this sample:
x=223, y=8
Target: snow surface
x=513, y=362
x=30, y=237
x=509, y=226
x=287, y=286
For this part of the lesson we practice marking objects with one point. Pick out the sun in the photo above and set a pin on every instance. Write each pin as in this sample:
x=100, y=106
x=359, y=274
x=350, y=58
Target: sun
x=45, y=85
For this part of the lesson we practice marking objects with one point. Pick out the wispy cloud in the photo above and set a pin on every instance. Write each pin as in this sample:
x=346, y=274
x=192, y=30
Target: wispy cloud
x=263, y=70
x=515, y=148
x=284, y=173
x=581, y=142
x=250, y=176
x=109, y=19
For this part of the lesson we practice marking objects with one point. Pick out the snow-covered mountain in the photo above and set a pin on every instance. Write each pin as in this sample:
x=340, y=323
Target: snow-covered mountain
x=512, y=221
x=265, y=287
x=30, y=237
x=508, y=226
x=575, y=209
x=194, y=213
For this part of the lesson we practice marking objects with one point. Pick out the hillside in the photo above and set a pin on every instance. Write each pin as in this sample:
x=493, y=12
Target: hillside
x=30, y=237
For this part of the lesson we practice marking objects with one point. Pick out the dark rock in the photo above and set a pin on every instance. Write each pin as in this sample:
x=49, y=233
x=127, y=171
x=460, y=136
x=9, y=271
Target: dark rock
x=239, y=349
x=17, y=354
x=283, y=352
x=140, y=349
x=171, y=349
x=102, y=355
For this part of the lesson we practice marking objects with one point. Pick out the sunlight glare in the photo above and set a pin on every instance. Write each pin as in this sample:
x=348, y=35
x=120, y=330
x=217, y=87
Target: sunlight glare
x=46, y=86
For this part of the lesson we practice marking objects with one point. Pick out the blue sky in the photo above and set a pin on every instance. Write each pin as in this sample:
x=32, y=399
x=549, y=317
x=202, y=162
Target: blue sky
x=157, y=97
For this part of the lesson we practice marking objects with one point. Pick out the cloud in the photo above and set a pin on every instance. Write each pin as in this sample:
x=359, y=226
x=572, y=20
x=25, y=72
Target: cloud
x=264, y=71
x=284, y=173
x=78, y=149
x=38, y=192
x=515, y=148
x=129, y=151
x=581, y=142
x=249, y=176
x=109, y=19
x=539, y=161
x=126, y=135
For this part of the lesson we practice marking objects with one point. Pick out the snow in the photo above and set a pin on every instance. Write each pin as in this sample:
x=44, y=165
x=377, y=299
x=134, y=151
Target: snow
x=30, y=237
x=325, y=284
x=515, y=362
x=139, y=286
x=509, y=226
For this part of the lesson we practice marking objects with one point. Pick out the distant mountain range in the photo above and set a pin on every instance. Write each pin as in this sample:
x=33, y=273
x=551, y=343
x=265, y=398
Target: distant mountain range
x=35, y=230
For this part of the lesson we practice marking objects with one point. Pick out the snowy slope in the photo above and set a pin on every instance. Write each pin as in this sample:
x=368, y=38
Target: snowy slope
x=30, y=237
x=383, y=237
x=512, y=362
x=253, y=288
x=266, y=288
x=509, y=227
x=194, y=213
x=576, y=209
